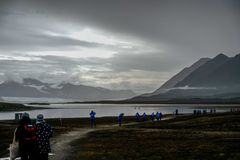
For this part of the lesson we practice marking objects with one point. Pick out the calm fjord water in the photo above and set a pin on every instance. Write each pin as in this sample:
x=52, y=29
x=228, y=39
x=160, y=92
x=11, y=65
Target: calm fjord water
x=102, y=110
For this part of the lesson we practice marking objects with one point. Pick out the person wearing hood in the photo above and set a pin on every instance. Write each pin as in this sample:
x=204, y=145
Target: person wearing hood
x=26, y=135
x=152, y=116
x=44, y=132
x=137, y=117
x=92, y=118
x=144, y=117
x=158, y=116
x=120, y=119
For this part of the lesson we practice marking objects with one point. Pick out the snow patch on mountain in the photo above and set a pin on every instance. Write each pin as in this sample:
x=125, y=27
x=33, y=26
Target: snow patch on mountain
x=39, y=88
x=190, y=88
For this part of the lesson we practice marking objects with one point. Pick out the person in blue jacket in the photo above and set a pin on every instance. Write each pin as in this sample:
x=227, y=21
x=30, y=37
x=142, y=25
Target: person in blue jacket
x=137, y=117
x=152, y=116
x=92, y=118
x=120, y=118
x=144, y=117
x=176, y=112
x=158, y=116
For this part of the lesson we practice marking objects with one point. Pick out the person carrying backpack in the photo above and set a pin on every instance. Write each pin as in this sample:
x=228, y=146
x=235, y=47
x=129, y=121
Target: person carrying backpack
x=120, y=119
x=92, y=118
x=26, y=135
x=137, y=117
x=158, y=116
x=152, y=116
x=144, y=117
x=44, y=132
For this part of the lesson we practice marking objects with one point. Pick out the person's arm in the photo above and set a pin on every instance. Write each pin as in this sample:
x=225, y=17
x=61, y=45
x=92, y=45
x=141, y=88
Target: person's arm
x=50, y=131
x=17, y=133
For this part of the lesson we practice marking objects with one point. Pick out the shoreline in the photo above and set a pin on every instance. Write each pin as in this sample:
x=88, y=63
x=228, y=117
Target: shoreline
x=154, y=102
x=8, y=107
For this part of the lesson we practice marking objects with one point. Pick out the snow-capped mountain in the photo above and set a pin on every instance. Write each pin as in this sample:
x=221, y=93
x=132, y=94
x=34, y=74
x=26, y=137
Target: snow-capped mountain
x=33, y=88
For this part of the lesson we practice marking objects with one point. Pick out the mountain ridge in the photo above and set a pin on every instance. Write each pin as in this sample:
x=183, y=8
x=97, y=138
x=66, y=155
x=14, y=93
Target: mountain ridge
x=36, y=89
x=216, y=72
x=217, y=78
x=178, y=77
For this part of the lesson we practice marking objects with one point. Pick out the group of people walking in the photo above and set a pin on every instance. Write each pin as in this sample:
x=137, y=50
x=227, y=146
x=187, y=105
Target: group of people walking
x=204, y=111
x=144, y=116
x=139, y=117
x=33, y=138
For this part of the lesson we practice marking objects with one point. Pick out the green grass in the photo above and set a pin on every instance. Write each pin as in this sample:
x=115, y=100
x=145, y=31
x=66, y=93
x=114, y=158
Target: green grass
x=214, y=122
x=186, y=137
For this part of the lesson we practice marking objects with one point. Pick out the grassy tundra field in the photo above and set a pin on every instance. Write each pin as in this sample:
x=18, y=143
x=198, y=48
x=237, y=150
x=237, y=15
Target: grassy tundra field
x=185, y=137
x=215, y=136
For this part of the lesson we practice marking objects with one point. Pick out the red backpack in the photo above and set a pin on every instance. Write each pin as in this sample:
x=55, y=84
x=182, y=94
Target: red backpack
x=30, y=132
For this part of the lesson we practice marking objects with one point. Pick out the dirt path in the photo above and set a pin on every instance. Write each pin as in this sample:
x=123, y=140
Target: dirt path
x=61, y=147
x=61, y=144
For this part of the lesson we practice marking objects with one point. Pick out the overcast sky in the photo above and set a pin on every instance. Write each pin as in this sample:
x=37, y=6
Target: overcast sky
x=117, y=44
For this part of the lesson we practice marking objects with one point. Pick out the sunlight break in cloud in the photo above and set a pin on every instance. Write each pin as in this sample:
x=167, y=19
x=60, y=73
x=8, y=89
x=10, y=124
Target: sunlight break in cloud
x=91, y=35
x=78, y=53
x=19, y=58
x=106, y=45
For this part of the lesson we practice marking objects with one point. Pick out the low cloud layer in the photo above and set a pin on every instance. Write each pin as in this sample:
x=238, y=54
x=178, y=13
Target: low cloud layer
x=95, y=72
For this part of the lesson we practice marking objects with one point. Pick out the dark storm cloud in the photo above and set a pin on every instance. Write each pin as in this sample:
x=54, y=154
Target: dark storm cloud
x=208, y=25
x=14, y=36
x=187, y=27
x=162, y=36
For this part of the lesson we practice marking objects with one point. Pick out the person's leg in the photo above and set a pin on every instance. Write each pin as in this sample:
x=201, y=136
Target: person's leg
x=91, y=121
x=23, y=151
x=43, y=156
x=24, y=156
x=33, y=151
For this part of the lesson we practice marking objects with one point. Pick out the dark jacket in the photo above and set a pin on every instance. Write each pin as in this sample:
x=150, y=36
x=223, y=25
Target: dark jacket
x=26, y=135
x=22, y=135
x=44, y=132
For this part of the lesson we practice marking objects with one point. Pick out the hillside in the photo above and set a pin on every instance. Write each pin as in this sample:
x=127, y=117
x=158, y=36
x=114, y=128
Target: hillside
x=221, y=71
x=217, y=78
x=178, y=77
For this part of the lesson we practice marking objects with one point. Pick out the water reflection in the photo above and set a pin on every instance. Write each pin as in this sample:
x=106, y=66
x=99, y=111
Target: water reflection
x=83, y=110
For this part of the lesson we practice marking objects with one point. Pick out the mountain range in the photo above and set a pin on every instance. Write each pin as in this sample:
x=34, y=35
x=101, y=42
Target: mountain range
x=216, y=78
x=207, y=79
x=178, y=77
x=36, y=89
